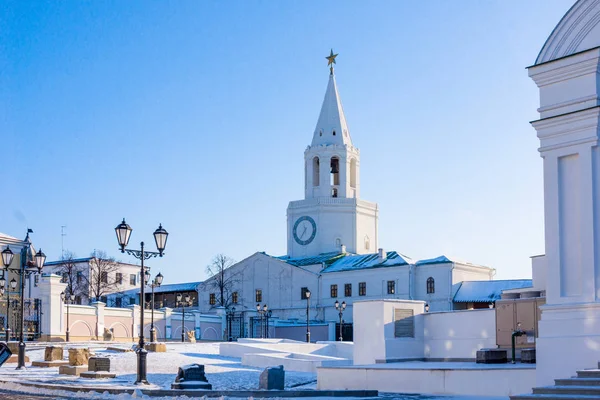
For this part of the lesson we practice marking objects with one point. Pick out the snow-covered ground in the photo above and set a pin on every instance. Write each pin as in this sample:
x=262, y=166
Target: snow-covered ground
x=224, y=373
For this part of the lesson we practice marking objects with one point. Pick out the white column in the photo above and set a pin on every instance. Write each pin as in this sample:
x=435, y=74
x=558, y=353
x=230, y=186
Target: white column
x=99, y=318
x=53, y=317
x=167, y=315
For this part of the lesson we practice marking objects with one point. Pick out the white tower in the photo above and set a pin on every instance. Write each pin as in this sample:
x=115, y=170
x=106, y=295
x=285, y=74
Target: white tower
x=331, y=214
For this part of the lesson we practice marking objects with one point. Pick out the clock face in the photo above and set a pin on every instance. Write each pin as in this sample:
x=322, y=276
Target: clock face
x=305, y=230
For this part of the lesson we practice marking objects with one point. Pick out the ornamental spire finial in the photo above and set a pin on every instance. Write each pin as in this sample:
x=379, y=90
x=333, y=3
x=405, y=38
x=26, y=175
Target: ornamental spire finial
x=331, y=61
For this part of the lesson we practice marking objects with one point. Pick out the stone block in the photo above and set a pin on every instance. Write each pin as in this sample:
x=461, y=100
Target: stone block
x=97, y=364
x=492, y=356
x=79, y=356
x=191, y=336
x=53, y=353
x=157, y=347
x=528, y=356
x=272, y=378
x=191, y=376
x=72, y=369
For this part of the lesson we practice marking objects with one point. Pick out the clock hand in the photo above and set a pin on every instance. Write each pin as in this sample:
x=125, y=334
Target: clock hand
x=303, y=232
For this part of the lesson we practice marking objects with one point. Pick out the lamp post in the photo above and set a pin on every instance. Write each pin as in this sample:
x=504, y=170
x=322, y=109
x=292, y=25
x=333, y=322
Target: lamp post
x=341, y=308
x=30, y=264
x=187, y=301
x=307, y=294
x=230, y=314
x=2, y=290
x=123, y=232
x=156, y=282
x=426, y=307
x=262, y=312
x=67, y=300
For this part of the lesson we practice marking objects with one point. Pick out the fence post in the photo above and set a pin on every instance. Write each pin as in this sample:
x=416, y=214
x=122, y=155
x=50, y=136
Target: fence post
x=52, y=321
x=167, y=316
x=99, y=318
x=135, y=319
x=221, y=312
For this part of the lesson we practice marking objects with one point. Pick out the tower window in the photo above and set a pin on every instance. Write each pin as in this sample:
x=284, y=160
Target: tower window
x=430, y=285
x=258, y=295
x=367, y=243
x=320, y=133
x=316, y=171
x=335, y=171
x=333, y=291
x=333, y=133
x=391, y=287
x=334, y=192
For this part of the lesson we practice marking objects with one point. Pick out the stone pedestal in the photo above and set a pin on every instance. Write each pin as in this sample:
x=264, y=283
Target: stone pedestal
x=72, y=369
x=79, y=356
x=157, y=347
x=272, y=378
x=98, y=368
x=191, y=377
x=49, y=364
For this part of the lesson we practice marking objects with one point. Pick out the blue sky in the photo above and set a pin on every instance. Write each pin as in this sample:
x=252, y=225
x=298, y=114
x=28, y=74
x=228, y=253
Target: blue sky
x=196, y=115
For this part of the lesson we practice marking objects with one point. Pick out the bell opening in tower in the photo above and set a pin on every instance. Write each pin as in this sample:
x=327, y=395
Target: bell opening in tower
x=335, y=171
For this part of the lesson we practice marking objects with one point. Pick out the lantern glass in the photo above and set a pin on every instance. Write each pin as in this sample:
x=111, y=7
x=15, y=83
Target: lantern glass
x=160, y=237
x=337, y=304
x=178, y=297
x=265, y=308
x=146, y=277
x=2, y=282
x=123, y=232
x=1, y=291
x=158, y=279
x=72, y=296
x=187, y=298
x=7, y=256
x=307, y=294
x=258, y=307
x=40, y=259
x=343, y=305
x=13, y=283
x=62, y=296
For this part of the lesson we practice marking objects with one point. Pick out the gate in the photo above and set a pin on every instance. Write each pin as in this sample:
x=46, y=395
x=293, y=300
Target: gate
x=347, y=332
x=31, y=324
x=236, y=324
x=261, y=327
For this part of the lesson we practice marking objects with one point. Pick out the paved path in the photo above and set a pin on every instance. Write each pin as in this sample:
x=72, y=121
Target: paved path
x=20, y=396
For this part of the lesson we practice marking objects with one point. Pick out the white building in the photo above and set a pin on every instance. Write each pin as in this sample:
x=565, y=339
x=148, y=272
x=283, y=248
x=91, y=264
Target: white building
x=121, y=277
x=333, y=244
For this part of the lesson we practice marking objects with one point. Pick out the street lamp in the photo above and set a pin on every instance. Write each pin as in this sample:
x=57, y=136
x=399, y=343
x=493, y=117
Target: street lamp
x=2, y=290
x=230, y=313
x=156, y=282
x=264, y=314
x=13, y=286
x=30, y=264
x=426, y=307
x=187, y=301
x=307, y=294
x=67, y=300
x=123, y=232
x=341, y=308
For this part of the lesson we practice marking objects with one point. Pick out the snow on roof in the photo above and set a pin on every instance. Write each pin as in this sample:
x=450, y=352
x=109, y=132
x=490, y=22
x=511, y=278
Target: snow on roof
x=487, y=291
x=60, y=262
x=327, y=258
x=443, y=259
x=353, y=262
x=7, y=237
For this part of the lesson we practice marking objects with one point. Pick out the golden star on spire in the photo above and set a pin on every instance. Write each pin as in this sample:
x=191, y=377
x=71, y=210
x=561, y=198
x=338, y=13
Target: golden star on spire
x=331, y=60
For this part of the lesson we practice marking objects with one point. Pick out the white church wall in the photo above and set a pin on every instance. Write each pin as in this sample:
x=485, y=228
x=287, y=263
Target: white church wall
x=376, y=283
x=538, y=272
x=441, y=299
x=458, y=334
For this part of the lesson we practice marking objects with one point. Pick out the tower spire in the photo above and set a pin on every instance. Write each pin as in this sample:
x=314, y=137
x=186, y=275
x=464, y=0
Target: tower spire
x=331, y=61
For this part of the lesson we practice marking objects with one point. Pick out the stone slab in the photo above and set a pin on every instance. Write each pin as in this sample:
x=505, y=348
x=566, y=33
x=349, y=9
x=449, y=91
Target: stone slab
x=272, y=378
x=119, y=349
x=492, y=356
x=49, y=364
x=98, y=375
x=99, y=364
x=72, y=369
x=191, y=385
x=157, y=347
x=15, y=359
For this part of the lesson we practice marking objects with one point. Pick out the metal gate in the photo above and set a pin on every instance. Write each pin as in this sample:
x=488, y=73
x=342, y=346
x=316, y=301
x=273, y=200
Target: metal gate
x=261, y=327
x=347, y=332
x=236, y=324
x=31, y=324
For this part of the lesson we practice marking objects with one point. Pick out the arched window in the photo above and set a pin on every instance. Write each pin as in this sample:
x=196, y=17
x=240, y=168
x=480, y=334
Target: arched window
x=320, y=133
x=333, y=133
x=316, y=172
x=353, y=173
x=367, y=243
x=430, y=285
x=335, y=171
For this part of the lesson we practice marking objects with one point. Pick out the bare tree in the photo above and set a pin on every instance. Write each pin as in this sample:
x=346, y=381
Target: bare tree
x=222, y=280
x=102, y=276
x=73, y=274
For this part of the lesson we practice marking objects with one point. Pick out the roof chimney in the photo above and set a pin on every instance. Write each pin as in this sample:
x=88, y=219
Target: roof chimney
x=382, y=255
x=343, y=248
